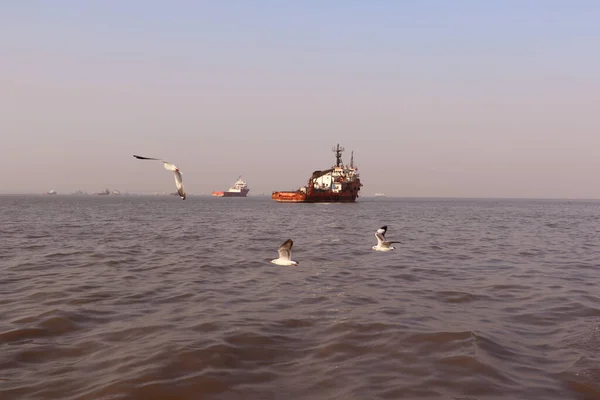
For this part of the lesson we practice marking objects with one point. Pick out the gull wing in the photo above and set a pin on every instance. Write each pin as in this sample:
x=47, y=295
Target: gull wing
x=179, y=184
x=285, y=250
x=146, y=158
x=380, y=239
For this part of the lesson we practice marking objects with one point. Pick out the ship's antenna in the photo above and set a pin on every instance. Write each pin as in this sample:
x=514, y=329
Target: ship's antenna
x=338, y=155
x=352, y=159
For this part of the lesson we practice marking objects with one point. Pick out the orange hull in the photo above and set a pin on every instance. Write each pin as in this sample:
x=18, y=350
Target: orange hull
x=314, y=197
x=289, y=197
x=218, y=194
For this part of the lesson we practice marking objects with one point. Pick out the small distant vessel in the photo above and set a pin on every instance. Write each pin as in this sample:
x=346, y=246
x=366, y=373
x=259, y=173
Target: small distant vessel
x=106, y=192
x=79, y=193
x=239, y=189
x=339, y=184
x=379, y=195
x=52, y=191
x=116, y=192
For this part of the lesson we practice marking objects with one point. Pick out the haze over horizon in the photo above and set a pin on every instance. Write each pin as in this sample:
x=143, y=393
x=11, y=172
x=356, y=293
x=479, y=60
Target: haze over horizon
x=437, y=99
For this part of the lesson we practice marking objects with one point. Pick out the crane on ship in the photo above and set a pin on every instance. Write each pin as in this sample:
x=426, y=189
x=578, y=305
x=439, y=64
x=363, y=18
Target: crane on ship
x=338, y=155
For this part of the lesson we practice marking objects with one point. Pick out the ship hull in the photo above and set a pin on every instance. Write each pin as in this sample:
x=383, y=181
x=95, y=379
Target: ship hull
x=315, y=197
x=231, y=194
x=289, y=197
x=331, y=198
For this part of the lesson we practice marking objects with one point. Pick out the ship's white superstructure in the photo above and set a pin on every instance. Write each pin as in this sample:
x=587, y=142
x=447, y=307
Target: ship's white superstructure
x=239, y=186
x=239, y=189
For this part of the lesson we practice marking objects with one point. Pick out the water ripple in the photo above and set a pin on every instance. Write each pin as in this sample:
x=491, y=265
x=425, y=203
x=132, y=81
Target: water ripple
x=145, y=297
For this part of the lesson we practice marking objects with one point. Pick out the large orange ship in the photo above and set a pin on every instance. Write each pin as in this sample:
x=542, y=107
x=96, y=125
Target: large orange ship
x=338, y=184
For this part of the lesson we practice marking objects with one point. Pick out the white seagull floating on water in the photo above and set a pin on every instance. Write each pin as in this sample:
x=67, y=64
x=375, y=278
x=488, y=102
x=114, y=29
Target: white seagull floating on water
x=285, y=254
x=170, y=167
x=382, y=244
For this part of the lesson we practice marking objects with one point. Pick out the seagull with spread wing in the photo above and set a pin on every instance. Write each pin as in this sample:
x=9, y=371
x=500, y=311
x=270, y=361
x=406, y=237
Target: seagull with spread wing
x=285, y=254
x=382, y=244
x=170, y=167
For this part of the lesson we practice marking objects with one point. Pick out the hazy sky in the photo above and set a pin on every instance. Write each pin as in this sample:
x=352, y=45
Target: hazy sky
x=436, y=98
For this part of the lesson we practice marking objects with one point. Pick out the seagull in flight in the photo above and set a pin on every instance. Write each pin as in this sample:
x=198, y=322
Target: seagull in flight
x=170, y=167
x=382, y=244
x=285, y=254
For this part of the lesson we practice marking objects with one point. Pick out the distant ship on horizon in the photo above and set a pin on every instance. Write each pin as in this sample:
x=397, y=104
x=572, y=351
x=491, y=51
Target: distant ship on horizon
x=107, y=192
x=239, y=189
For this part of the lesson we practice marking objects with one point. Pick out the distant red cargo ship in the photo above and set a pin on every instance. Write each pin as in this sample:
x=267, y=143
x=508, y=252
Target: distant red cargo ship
x=239, y=189
x=339, y=184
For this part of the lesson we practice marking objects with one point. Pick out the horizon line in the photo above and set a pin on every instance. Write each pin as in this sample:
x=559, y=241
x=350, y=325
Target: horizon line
x=361, y=197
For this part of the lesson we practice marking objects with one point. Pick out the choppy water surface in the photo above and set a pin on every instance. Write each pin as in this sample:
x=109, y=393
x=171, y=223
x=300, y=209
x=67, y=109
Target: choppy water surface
x=157, y=298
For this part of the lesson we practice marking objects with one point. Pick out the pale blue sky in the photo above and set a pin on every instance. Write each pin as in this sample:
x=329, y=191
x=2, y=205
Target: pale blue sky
x=437, y=98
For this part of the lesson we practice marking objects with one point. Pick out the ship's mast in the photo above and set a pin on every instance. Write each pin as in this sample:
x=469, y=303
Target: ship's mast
x=352, y=159
x=338, y=155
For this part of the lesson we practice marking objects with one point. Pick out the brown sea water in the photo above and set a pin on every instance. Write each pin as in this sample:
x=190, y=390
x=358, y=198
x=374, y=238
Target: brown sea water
x=119, y=297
